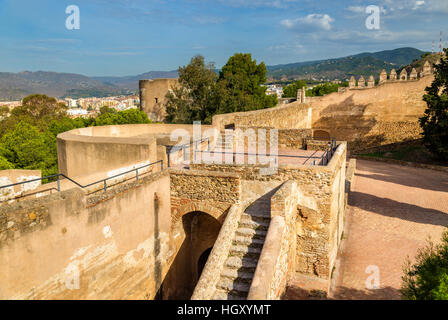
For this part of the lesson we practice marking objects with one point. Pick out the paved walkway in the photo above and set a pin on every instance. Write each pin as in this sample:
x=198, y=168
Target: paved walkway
x=392, y=211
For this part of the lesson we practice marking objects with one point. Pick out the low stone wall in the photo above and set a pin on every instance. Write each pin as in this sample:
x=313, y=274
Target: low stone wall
x=272, y=266
x=290, y=116
x=350, y=175
x=286, y=138
x=276, y=264
x=210, y=276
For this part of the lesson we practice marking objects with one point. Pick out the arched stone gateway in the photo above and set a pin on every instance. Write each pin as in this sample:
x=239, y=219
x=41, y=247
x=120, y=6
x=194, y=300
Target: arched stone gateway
x=199, y=230
x=321, y=135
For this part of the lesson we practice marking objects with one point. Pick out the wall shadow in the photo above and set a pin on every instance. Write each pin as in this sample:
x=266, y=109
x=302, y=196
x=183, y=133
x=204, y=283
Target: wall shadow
x=406, y=176
x=396, y=209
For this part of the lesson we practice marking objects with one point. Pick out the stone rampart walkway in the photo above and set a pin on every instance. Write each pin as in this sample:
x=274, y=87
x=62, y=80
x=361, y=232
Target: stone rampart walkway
x=392, y=211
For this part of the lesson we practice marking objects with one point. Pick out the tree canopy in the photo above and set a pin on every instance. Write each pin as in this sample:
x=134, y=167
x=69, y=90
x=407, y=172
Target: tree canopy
x=202, y=94
x=192, y=99
x=240, y=85
x=322, y=89
x=290, y=91
x=427, y=278
x=28, y=135
x=435, y=121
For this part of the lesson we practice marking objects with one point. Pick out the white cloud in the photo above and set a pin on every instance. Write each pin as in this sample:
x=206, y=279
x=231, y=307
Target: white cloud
x=309, y=23
x=440, y=6
x=418, y=4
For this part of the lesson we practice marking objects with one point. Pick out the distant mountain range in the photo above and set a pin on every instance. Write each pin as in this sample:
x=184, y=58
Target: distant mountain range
x=365, y=64
x=14, y=86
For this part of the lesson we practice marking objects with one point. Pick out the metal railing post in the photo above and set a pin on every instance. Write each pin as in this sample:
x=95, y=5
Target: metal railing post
x=105, y=185
x=59, y=185
x=161, y=165
x=136, y=174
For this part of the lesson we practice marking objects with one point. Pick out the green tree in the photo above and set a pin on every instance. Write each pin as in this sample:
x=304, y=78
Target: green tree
x=240, y=86
x=129, y=116
x=36, y=109
x=290, y=91
x=27, y=148
x=192, y=99
x=107, y=109
x=322, y=89
x=427, y=278
x=39, y=106
x=435, y=121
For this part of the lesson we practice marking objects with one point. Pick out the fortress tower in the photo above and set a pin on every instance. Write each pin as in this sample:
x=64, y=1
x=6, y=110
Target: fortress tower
x=152, y=97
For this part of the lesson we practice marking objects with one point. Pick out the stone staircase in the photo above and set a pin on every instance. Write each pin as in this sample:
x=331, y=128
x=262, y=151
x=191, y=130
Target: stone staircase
x=239, y=268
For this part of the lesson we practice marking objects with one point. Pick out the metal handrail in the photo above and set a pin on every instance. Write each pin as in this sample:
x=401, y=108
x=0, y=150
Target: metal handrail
x=104, y=181
x=324, y=158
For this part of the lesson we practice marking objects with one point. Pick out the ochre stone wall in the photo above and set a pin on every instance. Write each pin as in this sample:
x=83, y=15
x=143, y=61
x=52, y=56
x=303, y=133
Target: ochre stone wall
x=290, y=116
x=152, y=97
x=320, y=207
x=286, y=138
x=103, y=238
x=210, y=192
x=364, y=117
x=368, y=117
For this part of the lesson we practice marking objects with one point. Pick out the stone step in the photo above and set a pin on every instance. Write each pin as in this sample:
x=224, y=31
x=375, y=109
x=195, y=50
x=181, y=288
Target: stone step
x=248, y=241
x=225, y=295
x=249, y=232
x=234, y=274
x=240, y=251
x=249, y=223
x=259, y=216
x=244, y=264
x=236, y=287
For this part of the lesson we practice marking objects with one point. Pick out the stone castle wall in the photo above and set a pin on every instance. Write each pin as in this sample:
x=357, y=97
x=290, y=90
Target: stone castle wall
x=290, y=116
x=384, y=114
x=322, y=197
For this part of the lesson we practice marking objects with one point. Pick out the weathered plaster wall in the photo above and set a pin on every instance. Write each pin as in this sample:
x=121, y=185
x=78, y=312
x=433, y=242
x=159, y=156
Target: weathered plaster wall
x=119, y=242
x=8, y=177
x=94, y=150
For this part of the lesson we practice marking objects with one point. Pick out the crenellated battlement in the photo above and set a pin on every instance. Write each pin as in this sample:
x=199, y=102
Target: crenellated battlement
x=393, y=77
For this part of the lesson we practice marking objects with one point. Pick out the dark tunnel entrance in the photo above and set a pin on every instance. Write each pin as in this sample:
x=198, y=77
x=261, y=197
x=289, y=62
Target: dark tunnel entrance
x=201, y=231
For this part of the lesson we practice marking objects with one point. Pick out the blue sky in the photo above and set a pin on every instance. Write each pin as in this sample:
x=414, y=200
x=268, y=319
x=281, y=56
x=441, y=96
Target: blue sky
x=128, y=37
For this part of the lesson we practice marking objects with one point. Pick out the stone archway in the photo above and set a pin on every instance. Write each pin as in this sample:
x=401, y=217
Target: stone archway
x=321, y=135
x=200, y=231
